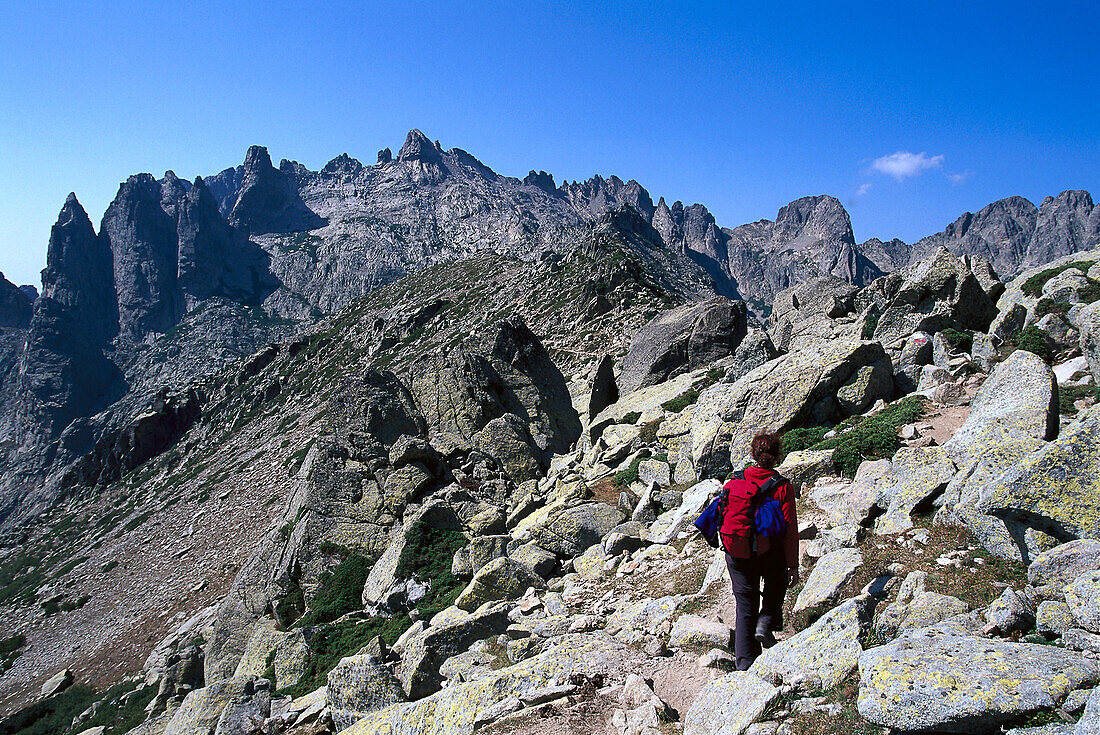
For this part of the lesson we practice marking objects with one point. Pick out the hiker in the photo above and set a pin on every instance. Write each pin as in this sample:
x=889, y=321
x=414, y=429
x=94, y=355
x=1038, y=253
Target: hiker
x=759, y=534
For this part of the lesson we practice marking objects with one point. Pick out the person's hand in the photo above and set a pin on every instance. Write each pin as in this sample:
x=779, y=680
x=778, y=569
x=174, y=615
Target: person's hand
x=792, y=576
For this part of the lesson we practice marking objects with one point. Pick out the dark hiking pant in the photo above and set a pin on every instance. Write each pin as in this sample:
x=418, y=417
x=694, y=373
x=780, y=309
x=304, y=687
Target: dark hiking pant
x=753, y=613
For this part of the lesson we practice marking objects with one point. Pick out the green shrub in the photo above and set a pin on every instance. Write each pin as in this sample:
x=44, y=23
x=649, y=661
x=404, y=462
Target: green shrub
x=959, y=340
x=624, y=478
x=682, y=401
x=1034, y=285
x=1035, y=340
x=1068, y=394
x=9, y=651
x=1049, y=306
x=51, y=716
x=340, y=591
x=871, y=324
x=862, y=437
x=797, y=440
x=1090, y=293
x=120, y=717
x=630, y=418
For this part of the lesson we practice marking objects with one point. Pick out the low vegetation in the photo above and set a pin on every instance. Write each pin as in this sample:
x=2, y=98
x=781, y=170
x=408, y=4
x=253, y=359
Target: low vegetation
x=859, y=438
x=1034, y=285
x=682, y=401
x=1034, y=340
x=1068, y=395
x=960, y=341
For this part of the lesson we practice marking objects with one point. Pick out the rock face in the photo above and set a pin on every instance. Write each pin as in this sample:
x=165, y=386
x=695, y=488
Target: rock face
x=808, y=313
x=268, y=199
x=935, y=294
x=509, y=373
x=948, y=683
x=800, y=388
x=1013, y=233
x=824, y=653
x=15, y=306
x=1055, y=490
x=682, y=339
x=358, y=686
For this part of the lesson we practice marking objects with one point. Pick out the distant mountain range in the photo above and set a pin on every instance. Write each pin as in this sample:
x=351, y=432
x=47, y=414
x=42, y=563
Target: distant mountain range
x=182, y=278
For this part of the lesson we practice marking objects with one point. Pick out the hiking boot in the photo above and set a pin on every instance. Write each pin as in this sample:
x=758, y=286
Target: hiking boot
x=765, y=637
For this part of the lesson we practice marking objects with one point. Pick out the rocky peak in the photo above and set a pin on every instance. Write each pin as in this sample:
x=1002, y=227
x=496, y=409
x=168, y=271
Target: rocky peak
x=343, y=165
x=385, y=155
x=79, y=273
x=204, y=242
x=541, y=180
x=30, y=292
x=419, y=148
x=172, y=192
x=1065, y=224
x=142, y=238
x=813, y=219
x=268, y=201
x=15, y=307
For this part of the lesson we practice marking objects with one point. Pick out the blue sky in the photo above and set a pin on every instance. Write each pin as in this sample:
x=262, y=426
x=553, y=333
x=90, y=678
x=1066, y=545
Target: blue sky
x=740, y=106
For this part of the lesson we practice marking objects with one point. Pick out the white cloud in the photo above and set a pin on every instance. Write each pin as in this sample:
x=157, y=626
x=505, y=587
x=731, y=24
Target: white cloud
x=863, y=189
x=960, y=178
x=904, y=165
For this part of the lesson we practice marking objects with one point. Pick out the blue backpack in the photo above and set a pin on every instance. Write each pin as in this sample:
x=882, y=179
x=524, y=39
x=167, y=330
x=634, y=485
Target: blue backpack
x=768, y=518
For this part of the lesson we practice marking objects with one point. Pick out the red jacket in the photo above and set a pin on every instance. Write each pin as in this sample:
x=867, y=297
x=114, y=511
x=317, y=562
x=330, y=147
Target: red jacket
x=739, y=546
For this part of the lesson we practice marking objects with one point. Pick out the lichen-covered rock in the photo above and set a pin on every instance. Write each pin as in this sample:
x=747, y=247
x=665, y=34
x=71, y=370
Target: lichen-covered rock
x=454, y=710
x=681, y=339
x=1083, y=598
x=692, y=631
x=1088, y=322
x=1018, y=400
x=357, y=686
x=1012, y=612
x=1090, y=718
x=917, y=475
x=654, y=471
x=806, y=314
x=500, y=579
x=830, y=573
x=824, y=653
x=1004, y=537
x=292, y=656
x=264, y=639
x=480, y=551
x=634, y=619
x=1053, y=617
x=507, y=439
x=423, y=654
x=1056, y=489
x=966, y=684
x=202, y=709
x=799, y=388
x=541, y=561
x=917, y=607
x=573, y=530
x=729, y=704
x=803, y=468
x=1064, y=563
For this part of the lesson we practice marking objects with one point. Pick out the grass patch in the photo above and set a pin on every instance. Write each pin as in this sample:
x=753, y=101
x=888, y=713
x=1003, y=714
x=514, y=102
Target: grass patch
x=122, y=709
x=624, y=478
x=682, y=401
x=1049, y=306
x=52, y=716
x=1034, y=285
x=630, y=418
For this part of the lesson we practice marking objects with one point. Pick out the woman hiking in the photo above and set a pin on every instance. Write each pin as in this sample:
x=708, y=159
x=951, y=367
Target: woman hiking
x=759, y=534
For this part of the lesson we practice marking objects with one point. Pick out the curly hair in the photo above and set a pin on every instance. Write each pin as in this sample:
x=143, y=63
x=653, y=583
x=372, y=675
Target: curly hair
x=766, y=449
